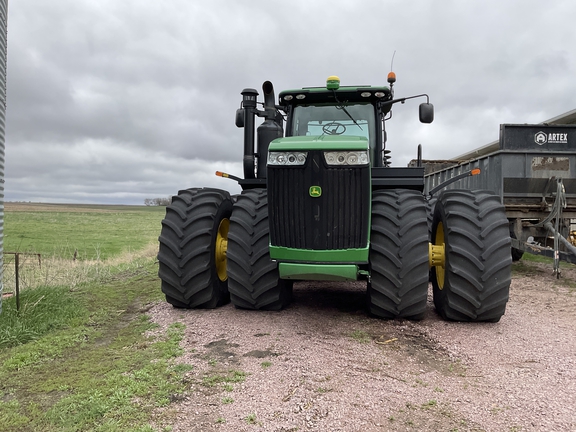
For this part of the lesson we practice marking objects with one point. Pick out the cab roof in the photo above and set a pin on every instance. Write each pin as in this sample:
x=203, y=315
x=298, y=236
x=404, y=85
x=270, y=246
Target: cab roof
x=350, y=94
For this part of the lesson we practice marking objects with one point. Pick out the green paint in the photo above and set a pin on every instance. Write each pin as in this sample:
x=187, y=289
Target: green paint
x=359, y=256
x=324, y=272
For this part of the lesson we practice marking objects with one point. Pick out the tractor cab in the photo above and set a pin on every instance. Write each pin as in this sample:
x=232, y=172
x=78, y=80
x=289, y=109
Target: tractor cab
x=351, y=111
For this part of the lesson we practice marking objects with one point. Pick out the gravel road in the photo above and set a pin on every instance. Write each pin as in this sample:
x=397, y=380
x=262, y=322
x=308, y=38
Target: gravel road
x=324, y=364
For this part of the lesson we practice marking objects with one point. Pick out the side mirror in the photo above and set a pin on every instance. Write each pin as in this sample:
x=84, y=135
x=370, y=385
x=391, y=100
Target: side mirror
x=426, y=113
x=240, y=117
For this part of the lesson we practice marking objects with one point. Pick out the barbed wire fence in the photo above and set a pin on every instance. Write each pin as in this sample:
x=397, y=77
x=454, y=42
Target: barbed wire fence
x=12, y=270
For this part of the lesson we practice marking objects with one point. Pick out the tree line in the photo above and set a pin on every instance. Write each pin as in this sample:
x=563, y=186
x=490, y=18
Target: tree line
x=158, y=201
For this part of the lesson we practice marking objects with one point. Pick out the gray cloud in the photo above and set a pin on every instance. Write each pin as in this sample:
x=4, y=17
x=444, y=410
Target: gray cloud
x=118, y=101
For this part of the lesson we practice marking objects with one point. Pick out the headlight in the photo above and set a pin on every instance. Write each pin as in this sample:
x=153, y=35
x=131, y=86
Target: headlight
x=287, y=158
x=347, y=157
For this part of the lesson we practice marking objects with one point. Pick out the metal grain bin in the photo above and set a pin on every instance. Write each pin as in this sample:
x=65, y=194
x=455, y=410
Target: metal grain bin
x=3, y=51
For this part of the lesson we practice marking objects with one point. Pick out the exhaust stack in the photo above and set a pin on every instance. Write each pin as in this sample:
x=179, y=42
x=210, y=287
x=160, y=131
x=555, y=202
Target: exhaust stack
x=269, y=130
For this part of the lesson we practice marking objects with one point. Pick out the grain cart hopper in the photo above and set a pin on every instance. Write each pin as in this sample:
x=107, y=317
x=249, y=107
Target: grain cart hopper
x=532, y=168
x=321, y=201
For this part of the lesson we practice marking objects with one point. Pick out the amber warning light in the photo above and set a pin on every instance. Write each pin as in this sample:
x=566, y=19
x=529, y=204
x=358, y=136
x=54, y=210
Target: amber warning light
x=475, y=171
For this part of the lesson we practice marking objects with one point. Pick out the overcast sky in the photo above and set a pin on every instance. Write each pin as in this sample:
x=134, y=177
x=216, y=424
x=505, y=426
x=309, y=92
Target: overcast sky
x=115, y=101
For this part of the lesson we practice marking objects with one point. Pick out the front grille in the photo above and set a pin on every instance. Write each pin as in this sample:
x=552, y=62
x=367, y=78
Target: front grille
x=338, y=219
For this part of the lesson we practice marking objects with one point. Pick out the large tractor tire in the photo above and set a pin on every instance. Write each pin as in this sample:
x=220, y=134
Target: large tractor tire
x=192, y=253
x=473, y=280
x=398, y=286
x=254, y=282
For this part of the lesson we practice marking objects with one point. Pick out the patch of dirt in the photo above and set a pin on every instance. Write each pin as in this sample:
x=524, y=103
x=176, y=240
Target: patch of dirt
x=324, y=364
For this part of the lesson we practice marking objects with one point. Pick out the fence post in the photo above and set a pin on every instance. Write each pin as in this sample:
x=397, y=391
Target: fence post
x=17, y=276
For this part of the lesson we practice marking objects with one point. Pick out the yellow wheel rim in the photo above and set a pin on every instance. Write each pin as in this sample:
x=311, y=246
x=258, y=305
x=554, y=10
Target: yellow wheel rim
x=220, y=249
x=438, y=256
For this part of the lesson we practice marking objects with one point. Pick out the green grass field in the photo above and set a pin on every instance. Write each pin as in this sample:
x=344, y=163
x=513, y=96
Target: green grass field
x=76, y=357
x=92, y=232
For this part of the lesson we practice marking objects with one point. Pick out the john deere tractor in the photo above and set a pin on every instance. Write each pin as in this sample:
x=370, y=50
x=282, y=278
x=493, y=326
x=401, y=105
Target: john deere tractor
x=320, y=201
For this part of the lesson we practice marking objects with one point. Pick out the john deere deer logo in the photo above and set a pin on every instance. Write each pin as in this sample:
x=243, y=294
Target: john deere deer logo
x=315, y=191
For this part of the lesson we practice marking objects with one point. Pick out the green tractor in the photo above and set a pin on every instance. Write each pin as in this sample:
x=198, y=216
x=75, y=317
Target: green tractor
x=321, y=202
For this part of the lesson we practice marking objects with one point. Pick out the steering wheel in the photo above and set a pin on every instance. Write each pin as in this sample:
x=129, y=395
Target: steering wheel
x=333, y=128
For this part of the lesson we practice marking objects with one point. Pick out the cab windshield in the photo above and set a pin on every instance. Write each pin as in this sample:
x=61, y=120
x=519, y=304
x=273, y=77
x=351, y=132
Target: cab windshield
x=349, y=120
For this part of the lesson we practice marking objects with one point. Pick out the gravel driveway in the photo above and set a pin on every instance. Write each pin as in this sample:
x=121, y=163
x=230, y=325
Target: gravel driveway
x=324, y=364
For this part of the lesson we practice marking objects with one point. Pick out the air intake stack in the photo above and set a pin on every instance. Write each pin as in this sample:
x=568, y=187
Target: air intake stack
x=270, y=129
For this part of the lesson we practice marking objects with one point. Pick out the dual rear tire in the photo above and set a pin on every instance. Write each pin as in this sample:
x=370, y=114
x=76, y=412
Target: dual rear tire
x=398, y=286
x=212, y=249
x=254, y=281
x=474, y=281
x=471, y=282
x=192, y=253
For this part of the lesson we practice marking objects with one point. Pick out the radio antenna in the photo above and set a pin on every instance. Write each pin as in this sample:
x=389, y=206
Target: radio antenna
x=392, y=75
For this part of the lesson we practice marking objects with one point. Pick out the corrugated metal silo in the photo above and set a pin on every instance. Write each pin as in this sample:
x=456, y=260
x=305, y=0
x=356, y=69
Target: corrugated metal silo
x=3, y=51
